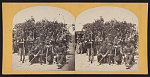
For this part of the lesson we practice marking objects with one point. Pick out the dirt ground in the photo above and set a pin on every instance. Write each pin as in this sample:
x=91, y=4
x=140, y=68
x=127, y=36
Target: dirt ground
x=17, y=65
x=82, y=64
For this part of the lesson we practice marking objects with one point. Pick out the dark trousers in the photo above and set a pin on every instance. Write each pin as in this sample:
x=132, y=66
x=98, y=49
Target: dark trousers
x=35, y=60
x=22, y=54
x=90, y=54
x=61, y=58
x=100, y=59
x=50, y=58
x=110, y=58
x=129, y=59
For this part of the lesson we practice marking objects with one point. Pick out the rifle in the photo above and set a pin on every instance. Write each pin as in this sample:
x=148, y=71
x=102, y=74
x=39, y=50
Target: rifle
x=104, y=56
x=35, y=56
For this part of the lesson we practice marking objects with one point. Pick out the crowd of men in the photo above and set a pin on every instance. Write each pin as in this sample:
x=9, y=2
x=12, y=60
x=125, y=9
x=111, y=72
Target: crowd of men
x=111, y=52
x=40, y=49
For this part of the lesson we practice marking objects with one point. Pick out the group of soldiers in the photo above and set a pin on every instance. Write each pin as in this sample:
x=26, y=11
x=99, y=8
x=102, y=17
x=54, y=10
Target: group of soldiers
x=41, y=49
x=107, y=51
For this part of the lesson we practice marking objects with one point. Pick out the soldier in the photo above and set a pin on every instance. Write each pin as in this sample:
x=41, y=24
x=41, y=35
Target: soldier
x=102, y=53
x=129, y=55
x=42, y=53
x=79, y=46
x=41, y=48
x=49, y=51
x=98, y=41
x=61, y=56
x=30, y=40
x=15, y=47
x=37, y=53
x=33, y=55
x=21, y=47
x=90, y=51
x=110, y=53
x=118, y=54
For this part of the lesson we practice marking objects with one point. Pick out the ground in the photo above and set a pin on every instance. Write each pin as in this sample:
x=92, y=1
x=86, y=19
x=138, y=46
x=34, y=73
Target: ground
x=17, y=65
x=82, y=64
x=80, y=61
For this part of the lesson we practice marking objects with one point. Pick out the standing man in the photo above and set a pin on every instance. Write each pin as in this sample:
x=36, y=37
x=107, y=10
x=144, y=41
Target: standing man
x=49, y=51
x=41, y=48
x=98, y=42
x=90, y=51
x=111, y=53
x=118, y=54
x=21, y=47
x=30, y=40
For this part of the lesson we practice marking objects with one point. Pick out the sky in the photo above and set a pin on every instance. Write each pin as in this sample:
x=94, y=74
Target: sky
x=108, y=13
x=87, y=16
x=45, y=12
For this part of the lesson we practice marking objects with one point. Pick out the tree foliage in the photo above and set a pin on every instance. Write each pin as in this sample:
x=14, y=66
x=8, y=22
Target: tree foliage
x=111, y=29
x=55, y=30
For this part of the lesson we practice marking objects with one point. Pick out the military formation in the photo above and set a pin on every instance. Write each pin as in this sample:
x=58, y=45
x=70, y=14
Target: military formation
x=40, y=50
x=42, y=47
x=107, y=52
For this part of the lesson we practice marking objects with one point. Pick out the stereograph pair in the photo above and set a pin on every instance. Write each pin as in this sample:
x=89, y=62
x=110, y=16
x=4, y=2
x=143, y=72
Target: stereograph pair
x=102, y=38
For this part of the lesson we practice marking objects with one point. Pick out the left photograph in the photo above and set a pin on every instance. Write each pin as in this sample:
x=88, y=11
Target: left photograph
x=43, y=40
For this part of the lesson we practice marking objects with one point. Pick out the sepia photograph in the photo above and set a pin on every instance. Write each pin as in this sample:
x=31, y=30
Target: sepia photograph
x=75, y=38
x=43, y=39
x=106, y=40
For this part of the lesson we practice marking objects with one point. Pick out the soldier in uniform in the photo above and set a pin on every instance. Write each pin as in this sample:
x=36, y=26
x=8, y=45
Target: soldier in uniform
x=80, y=47
x=42, y=49
x=61, y=56
x=30, y=40
x=33, y=55
x=129, y=55
x=15, y=47
x=21, y=47
x=118, y=54
x=111, y=53
x=49, y=51
x=98, y=41
x=102, y=53
x=90, y=51
x=37, y=53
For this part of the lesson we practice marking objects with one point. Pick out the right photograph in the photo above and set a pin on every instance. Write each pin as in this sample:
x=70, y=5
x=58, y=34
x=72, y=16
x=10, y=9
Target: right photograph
x=106, y=39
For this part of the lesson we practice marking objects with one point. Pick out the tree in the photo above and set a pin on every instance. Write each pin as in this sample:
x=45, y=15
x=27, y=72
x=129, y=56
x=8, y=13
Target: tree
x=112, y=29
